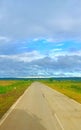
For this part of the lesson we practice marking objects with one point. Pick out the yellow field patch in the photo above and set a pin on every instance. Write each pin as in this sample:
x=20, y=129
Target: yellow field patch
x=70, y=88
x=6, y=82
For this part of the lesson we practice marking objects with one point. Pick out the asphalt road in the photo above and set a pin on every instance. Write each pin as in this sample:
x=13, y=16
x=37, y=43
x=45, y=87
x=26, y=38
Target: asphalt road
x=42, y=108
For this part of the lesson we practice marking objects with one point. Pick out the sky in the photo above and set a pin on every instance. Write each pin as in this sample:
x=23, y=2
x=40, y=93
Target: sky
x=40, y=38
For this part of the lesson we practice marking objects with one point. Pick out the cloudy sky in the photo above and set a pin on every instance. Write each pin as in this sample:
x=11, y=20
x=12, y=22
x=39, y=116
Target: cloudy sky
x=40, y=38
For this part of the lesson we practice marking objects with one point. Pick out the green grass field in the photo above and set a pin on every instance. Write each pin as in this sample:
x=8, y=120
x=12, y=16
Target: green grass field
x=10, y=91
x=68, y=87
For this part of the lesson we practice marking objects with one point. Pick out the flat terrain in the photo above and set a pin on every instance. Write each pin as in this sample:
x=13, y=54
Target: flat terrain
x=42, y=108
x=70, y=88
x=10, y=91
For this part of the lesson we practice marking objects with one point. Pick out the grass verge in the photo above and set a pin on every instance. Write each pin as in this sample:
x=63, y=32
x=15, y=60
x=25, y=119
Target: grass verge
x=10, y=91
x=70, y=88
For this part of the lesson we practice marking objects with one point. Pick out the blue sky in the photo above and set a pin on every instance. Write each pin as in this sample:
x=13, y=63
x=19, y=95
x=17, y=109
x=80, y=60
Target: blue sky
x=40, y=38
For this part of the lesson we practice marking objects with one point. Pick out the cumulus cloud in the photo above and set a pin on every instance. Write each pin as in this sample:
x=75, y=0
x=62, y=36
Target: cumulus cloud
x=65, y=65
x=55, y=53
x=26, y=57
x=40, y=37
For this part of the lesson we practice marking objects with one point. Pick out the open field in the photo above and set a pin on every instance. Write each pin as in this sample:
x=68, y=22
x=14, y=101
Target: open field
x=10, y=91
x=43, y=108
x=71, y=88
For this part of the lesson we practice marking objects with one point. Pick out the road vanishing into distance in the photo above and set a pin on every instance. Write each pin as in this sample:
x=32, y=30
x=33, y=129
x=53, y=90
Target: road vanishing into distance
x=42, y=108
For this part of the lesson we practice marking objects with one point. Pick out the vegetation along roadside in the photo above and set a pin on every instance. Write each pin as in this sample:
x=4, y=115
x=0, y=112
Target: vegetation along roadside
x=71, y=88
x=10, y=91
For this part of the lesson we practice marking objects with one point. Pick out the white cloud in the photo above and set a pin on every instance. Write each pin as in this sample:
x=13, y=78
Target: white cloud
x=55, y=53
x=28, y=64
x=25, y=57
x=69, y=74
x=36, y=39
x=5, y=39
x=50, y=22
x=30, y=56
x=60, y=44
x=56, y=50
x=50, y=40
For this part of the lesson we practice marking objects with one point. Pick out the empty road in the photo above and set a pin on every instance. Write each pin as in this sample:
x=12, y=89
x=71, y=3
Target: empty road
x=42, y=108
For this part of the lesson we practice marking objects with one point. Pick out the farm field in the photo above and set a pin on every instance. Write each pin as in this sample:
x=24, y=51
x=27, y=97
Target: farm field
x=71, y=88
x=10, y=91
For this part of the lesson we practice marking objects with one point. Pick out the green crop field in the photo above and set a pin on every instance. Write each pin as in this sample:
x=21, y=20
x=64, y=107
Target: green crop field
x=71, y=88
x=10, y=91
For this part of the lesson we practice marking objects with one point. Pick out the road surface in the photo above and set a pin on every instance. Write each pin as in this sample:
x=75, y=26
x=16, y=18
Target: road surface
x=42, y=108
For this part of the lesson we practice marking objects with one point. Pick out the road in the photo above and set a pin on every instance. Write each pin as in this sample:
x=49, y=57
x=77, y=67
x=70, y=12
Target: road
x=42, y=108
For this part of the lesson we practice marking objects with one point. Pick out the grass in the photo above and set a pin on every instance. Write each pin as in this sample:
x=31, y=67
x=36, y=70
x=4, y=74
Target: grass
x=10, y=91
x=68, y=87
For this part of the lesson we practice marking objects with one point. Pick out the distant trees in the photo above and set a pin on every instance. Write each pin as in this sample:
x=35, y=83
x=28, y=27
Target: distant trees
x=50, y=79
